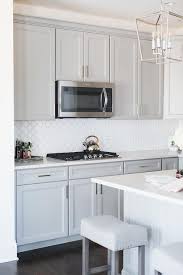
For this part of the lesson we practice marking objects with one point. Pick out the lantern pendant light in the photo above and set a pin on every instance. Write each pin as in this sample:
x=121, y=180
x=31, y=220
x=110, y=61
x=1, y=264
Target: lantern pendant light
x=165, y=31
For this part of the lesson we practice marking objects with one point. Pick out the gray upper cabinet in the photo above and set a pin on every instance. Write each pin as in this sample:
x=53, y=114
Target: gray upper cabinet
x=123, y=72
x=174, y=85
x=69, y=55
x=34, y=59
x=42, y=212
x=150, y=86
x=96, y=57
x=82, y=56
x=82, y=203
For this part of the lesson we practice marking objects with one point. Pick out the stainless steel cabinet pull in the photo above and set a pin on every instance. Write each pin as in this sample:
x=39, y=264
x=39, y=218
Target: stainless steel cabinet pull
x=96, y=188
x=144, y=166
x=67, y=192
x=101, y=189
x=43, y=176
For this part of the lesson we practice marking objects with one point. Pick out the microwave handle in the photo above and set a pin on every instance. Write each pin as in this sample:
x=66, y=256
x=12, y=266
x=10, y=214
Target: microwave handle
x=101, y=99
x=105, y=100
x=104, y=93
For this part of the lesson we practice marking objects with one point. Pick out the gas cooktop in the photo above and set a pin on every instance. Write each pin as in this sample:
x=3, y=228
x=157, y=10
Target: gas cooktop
x=83, y=155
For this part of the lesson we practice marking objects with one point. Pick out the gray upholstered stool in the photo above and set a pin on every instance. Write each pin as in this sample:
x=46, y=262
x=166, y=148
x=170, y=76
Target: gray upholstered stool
x=168, y=260
x=114, y=235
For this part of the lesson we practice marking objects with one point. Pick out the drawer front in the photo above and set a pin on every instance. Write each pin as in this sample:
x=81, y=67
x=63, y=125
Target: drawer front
x=95, y=170
x=42, y=175
x=170, y=163
x=140, y=166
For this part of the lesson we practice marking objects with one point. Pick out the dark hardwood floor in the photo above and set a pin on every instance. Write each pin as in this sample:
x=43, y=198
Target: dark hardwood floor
x=57, y=260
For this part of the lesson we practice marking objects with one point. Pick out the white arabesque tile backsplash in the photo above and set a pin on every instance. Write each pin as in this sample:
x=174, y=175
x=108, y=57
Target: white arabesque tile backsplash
x=115, y=135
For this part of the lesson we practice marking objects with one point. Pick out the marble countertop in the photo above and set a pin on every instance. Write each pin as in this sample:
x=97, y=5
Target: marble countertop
x=123, y=156
x=136, y=183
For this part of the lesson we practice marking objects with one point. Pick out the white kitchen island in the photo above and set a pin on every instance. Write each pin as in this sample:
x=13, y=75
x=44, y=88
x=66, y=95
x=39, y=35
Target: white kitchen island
x=145, y=204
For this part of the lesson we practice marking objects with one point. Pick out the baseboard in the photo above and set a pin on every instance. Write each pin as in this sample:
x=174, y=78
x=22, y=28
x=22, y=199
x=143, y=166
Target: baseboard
x=9, y=252
x=126, y=272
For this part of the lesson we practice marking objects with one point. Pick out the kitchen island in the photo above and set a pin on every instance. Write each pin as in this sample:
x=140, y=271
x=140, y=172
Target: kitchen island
x=145, y=204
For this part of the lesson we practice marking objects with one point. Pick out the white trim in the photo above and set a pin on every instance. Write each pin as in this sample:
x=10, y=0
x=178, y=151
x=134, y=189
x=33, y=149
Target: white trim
x=71, y=16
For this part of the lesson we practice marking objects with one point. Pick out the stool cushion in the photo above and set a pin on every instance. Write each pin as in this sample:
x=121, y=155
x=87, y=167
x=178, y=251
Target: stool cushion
x=168, y=259
x=112, y=233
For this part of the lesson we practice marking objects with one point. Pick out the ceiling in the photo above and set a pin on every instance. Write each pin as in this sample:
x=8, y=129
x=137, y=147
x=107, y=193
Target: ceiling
x=118, y=9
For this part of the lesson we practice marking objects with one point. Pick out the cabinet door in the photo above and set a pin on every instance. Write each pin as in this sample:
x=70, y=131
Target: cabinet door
x=169, y=163
x=34, y=67
x=82, y=203
x=123, y=73
x=150, y=88
x=42, y=212
x=96, y=57
x=109, y=201
x=69, y=55
x=174, y=87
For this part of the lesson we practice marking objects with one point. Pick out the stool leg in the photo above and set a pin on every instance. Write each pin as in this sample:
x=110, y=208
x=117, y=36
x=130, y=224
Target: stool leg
x=114, y=262
x=85, y=257
x=141, y=260
x=109, y=261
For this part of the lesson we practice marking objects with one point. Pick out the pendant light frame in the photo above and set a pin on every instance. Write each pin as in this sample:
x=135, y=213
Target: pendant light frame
x=160, y=27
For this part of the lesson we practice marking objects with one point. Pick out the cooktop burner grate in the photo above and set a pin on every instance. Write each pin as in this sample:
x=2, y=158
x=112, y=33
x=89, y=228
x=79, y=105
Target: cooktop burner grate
x=83, y=155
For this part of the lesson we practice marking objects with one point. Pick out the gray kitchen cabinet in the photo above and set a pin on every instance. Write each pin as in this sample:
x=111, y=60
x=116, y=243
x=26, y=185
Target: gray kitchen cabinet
x=34, y=70
x=150, y=86
x=141, y=166
x=82, y=203
x=174, y=85
x=82, y=56
x=88, y=199
x=96, y=57
x=95, y=170
x=170, y=163
x=108, y=202
x=69, y=55
x=42, y=212
x=123, y=72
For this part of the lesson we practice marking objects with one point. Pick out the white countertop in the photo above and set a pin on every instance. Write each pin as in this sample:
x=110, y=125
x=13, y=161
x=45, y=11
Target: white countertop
x=124, y=156
x=136, y=183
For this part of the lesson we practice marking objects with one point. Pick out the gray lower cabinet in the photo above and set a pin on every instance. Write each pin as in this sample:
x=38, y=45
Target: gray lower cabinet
x=42, y=212
x=108, y=201
x=141, y=166
x=170, y=163
x=88, y=199
x=82, y=203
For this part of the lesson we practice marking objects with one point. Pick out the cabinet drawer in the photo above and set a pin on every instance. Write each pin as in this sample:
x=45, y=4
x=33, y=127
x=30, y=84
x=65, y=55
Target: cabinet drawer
x=42, y=175
x=169, y=163
x=140, y=166
x=95, y=170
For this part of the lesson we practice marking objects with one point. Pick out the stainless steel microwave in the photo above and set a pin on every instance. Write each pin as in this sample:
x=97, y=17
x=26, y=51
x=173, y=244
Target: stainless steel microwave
x=83, y=99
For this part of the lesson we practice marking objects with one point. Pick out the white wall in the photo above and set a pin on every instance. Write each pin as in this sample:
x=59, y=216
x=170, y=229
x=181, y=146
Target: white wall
x=7, y=232
x=115, y=135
